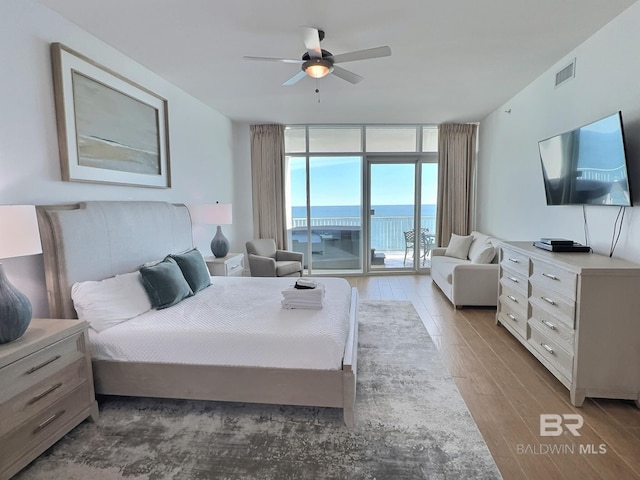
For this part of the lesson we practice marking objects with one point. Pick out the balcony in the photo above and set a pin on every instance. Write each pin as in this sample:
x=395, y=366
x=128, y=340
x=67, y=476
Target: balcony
x=336, y=242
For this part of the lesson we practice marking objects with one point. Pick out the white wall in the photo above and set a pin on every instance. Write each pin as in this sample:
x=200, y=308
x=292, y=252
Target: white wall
x=511, y=199
x=201, y=139
x=242, y=185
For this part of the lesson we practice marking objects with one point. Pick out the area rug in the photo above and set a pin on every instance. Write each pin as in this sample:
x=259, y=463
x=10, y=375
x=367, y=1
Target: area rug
x=411, y=423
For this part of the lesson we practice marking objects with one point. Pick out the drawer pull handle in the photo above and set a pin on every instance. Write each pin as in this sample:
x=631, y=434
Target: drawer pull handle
x=549, y=324
x=513, y=279
x=512, y=298
x=234, y=267
x=547, y=348
x=514, y=260
x=512, y=317
x=43, y=364
x=40, y=396
x=548, y=300
x=48, y=421
x=550, y=275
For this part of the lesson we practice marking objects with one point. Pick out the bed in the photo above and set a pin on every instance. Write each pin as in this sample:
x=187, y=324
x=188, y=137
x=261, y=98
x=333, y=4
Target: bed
x=98, y=240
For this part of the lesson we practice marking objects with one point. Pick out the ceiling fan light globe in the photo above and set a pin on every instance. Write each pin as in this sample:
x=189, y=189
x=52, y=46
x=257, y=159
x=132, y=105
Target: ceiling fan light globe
x=317, y=67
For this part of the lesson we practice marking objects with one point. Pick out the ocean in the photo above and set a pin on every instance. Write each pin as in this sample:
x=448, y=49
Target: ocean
x=387, y=224
x=333, y=211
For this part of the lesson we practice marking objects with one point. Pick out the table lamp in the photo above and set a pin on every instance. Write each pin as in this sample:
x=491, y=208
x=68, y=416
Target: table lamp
x=215, y=214
x=19, y=236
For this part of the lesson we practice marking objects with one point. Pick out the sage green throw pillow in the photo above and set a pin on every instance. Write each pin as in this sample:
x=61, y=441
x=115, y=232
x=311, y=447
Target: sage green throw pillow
x=194, y=269
x=165, y=284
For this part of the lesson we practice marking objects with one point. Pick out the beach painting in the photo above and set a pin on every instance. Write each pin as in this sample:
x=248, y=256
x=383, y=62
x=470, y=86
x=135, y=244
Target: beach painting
x=110, y=130
x=114, y=131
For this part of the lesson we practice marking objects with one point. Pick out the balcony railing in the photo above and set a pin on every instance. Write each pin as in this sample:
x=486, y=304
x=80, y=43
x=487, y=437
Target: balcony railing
x=387, y=233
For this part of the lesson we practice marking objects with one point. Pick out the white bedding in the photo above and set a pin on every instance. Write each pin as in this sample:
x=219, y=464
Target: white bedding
x=236, y=321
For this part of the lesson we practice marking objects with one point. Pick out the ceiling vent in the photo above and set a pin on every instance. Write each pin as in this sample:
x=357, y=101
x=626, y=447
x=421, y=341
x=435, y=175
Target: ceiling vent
x=566, y=74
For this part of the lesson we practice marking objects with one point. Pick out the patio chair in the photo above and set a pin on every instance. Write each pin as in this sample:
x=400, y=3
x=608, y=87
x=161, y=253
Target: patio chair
x=427, y=242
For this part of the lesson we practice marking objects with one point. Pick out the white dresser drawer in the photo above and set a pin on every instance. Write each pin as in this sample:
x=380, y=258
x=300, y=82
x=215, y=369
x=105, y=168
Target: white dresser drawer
x=515, y=280
x=551, y=351
x=514, y=260
x=556, y=330
x=554, y=278
x=513, y=320
x=513, y=299
x=554, y=303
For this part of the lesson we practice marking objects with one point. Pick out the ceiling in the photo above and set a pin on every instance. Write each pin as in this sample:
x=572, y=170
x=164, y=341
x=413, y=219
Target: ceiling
x=452, y=60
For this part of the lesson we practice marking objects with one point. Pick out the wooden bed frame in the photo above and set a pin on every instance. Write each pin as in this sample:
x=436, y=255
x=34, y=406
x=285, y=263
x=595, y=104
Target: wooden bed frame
x=97, y=240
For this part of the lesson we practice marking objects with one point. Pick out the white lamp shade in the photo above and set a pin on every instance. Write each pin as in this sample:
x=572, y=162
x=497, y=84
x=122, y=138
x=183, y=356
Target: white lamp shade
x=212, y=214
x=19, y=234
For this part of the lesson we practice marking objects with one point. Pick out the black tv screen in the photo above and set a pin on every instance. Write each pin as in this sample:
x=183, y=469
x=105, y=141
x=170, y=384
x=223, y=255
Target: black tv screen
x=587, y=165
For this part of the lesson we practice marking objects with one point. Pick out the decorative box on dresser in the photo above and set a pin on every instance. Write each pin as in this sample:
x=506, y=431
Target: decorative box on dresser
x=46, y=389
x=230, y=266
x=578, y=314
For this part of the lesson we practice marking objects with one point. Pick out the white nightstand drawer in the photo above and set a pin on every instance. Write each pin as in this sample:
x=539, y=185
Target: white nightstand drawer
x=230, y=266
x=32, y=369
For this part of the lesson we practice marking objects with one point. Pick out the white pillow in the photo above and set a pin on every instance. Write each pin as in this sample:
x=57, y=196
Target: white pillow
x=459, y=246
x=484, y=254
x=111, y=301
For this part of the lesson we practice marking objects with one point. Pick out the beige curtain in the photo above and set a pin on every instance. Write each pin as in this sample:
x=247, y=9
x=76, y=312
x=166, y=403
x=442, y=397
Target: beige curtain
x=267, y=160
x=456, y=163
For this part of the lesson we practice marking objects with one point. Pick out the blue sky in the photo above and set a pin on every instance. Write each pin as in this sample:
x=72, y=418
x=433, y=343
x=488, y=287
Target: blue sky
x=336, y=181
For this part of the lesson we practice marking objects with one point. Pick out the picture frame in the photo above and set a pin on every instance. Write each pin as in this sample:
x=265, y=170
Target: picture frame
x=110, y=129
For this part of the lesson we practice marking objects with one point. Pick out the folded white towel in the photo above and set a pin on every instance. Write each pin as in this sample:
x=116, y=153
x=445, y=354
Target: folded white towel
x=303, y=298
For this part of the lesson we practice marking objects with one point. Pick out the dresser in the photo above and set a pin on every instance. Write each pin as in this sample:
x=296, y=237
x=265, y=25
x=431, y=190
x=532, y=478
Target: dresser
x=230, y=266
x=46, y=389
x=578, y=314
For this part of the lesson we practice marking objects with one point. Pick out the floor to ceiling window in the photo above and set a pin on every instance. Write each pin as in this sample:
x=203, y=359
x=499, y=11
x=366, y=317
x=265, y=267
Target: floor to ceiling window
x=355, y=194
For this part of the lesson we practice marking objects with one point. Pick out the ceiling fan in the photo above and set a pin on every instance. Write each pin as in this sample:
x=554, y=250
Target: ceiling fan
x=318, y=63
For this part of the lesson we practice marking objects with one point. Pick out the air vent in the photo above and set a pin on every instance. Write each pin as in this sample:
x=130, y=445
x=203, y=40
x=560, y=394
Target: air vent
x=566, y=74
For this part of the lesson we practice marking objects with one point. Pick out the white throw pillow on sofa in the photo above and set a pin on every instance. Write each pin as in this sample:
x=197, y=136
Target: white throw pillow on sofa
x=459, y=246
x=106, y=303
x=485, y=254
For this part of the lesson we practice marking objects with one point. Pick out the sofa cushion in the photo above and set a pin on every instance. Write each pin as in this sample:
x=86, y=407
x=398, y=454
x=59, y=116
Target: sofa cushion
x=459, y=246
x=444, y=266
x=482, y=249
x=485, y=255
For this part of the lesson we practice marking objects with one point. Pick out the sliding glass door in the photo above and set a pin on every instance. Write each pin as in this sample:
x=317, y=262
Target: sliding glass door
x=325, y=212
x=392, y=215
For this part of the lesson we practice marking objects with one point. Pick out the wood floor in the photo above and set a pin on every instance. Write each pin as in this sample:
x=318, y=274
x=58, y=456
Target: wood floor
x=506, y=389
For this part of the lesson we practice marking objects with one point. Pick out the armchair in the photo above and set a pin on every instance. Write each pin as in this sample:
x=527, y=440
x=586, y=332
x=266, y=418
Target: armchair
x=265, y=260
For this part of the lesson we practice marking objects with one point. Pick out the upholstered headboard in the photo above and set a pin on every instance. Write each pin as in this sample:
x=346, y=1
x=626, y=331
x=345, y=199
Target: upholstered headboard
x=97, y=240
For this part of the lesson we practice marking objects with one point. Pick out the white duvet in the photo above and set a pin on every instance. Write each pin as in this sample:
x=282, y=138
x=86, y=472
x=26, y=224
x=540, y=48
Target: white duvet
x=236, y=321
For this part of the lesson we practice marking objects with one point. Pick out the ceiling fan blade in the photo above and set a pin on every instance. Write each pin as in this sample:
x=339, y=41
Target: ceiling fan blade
x=346, y=75
x=362, y=54
x=312, y=42
x=295, y=79
x=271, y=59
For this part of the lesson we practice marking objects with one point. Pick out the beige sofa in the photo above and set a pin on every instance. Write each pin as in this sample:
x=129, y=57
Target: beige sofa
x=469, y=281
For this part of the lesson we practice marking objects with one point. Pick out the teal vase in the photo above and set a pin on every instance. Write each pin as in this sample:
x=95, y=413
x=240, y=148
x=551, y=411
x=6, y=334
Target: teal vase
x=15, y=310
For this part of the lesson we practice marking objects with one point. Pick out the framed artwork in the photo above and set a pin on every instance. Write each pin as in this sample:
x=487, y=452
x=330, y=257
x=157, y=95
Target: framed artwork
x=110, y=129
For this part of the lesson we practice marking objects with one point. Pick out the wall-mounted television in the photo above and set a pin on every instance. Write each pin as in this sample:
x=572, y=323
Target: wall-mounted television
x=587, y=165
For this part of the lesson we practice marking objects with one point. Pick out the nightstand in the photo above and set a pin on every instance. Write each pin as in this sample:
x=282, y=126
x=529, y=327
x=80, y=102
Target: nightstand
x=230, y=266
x=46, y=389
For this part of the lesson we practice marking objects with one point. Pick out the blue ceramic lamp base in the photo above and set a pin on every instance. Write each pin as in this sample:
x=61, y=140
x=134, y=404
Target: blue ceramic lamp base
x=15, y=310
x=219, y=244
